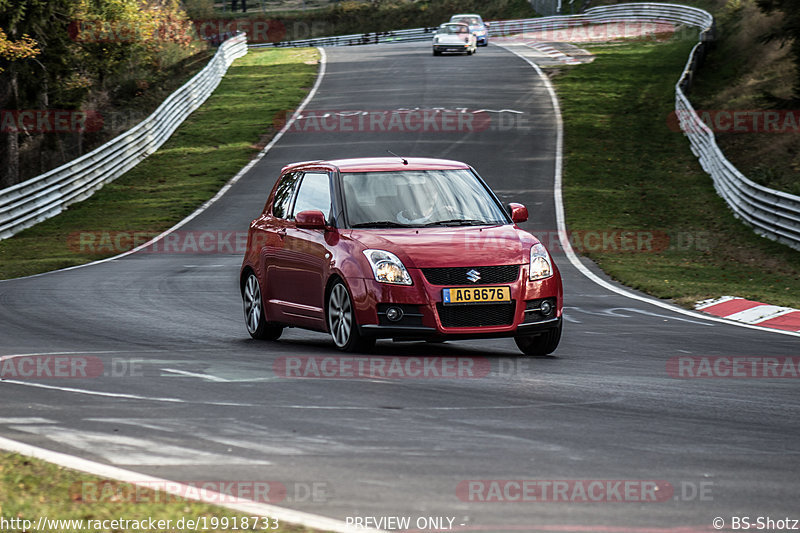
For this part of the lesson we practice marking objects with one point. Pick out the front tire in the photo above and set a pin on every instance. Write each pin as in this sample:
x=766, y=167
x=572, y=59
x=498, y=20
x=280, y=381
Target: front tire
x=342, y=322
x=257, y=326
x=539, y=345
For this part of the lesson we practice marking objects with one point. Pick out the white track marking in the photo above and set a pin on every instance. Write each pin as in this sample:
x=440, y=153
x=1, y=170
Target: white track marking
x=16, y=355
x=179, y=489
x=206, y=377
x=120, y=395
x=26, y=420
x=713, y=301
x=127, y=450
x=562, y=227
x=224, y=189
x=760, y=313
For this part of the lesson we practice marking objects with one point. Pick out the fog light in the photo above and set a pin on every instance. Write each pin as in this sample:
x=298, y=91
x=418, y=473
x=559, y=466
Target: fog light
x=546, y=307
x=394, y=314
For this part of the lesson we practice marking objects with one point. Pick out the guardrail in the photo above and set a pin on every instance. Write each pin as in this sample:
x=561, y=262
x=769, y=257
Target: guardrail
x=32, y=201
x=356, y=39
x=772, y=213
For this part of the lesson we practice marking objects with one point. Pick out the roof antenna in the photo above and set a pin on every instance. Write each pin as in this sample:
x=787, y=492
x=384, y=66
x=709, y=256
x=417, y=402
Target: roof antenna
x=403, y=159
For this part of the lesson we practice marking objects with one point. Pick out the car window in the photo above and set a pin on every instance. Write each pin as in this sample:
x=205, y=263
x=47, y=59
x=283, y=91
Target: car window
x=453, y=28
x=472, y=21
x=417, y=198
x=284, y=194
x=314, y=193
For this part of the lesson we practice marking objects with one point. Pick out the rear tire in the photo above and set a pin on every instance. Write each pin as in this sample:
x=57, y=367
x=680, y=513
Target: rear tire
x=257, y=326
x=342, y=322
x=539, y=345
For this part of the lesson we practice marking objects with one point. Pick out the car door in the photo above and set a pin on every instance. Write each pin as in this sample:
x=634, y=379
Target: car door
x=305, y=259
x=269, y=235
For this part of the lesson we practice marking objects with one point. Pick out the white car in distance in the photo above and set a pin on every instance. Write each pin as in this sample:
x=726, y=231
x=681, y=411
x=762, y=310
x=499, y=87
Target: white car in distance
x=454, y=37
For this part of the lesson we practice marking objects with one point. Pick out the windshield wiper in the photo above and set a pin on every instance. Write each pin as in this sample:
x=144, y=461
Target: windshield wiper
x=459, y=222
x=380, y=224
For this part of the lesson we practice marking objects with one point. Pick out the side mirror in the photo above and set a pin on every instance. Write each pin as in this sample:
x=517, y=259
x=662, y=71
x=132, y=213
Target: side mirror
x=487, y=24
x=313, y=219
x=519, y=213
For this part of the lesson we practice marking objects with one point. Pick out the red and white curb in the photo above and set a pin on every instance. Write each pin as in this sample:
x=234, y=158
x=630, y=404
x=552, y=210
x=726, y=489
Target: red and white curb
x=548, y=50
x=750, y=312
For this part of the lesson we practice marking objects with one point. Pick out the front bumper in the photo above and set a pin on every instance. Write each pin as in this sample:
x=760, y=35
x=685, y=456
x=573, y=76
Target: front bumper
x=427, y=333
x=424, y=315
x=454, y=48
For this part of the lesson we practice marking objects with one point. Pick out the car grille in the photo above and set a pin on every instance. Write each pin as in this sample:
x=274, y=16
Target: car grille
x=476, y=315
x=458, y=275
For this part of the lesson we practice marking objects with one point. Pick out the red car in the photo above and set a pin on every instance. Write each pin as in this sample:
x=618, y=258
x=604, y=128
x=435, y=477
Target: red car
x=391, y=247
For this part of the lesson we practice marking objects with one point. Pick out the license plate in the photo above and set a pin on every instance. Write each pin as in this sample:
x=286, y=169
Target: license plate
x=472, y=295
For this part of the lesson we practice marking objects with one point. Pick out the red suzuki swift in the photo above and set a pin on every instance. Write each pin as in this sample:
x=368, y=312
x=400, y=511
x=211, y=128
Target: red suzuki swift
x=397, y=248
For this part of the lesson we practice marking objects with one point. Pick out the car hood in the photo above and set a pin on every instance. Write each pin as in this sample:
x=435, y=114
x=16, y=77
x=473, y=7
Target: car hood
x=451, y=246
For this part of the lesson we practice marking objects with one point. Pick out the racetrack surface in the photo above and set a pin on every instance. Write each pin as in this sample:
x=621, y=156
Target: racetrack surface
x=207, y=404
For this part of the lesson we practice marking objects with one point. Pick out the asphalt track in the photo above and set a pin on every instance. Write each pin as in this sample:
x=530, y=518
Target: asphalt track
x=206, y=404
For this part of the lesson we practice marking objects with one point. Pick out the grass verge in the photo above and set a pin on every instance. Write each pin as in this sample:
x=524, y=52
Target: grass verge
x=31, y=489
x=627, y=170
x=207, y=149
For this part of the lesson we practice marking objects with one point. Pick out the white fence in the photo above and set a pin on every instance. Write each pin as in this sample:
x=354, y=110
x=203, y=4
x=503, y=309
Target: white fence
x=773, y=214
x=37, y=199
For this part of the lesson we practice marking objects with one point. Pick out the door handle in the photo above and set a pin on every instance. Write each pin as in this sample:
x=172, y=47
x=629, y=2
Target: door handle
x=282, y=233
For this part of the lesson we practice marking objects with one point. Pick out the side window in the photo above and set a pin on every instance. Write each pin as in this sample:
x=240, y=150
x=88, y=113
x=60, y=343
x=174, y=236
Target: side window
x=314, y=193
x=283, y=195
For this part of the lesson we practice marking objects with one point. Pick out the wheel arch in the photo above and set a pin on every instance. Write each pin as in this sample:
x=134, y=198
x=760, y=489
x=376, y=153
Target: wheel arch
x=245, y=272
x=332, y=280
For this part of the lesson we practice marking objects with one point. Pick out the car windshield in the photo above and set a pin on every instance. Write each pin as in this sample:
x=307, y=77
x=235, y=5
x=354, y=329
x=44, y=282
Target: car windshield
x=472, y=21
x=453, y=28
x=417, y=198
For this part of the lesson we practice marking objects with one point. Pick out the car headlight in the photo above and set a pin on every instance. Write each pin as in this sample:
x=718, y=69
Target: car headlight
x=541, y=267
x=387, y=268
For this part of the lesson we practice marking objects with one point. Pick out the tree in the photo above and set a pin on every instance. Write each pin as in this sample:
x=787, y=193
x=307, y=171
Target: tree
x=58, y=52
x=28, y=76
x=23, y=48
x=787, y=32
